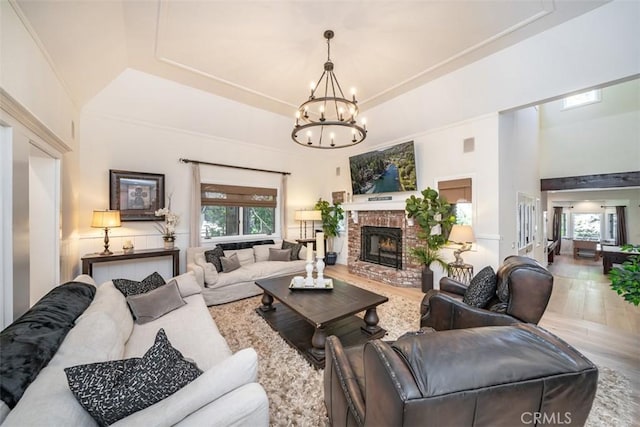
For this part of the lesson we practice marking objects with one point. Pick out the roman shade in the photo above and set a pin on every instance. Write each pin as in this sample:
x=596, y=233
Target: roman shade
x=455, y=190
x=233, y=195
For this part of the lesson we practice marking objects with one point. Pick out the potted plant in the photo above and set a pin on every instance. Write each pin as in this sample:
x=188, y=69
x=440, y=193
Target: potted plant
x=331, y=217
x=434, y=216
x=625, y=280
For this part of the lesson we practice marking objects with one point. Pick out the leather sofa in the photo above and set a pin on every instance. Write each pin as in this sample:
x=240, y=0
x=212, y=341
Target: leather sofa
x=498, y=376
x=527, y=289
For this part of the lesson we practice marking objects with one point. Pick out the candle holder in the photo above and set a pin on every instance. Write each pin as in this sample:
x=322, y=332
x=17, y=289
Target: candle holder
x=320, y=270
x=308, y=281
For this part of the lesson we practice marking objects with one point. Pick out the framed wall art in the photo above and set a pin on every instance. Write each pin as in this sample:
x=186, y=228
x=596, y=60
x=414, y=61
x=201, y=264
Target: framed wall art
x=137, y=195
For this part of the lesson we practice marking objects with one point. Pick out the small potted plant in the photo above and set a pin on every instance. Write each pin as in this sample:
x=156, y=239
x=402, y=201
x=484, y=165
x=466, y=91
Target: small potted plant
x=331, y=217
x=625, y=280
x=168, y=229
x=433, y=215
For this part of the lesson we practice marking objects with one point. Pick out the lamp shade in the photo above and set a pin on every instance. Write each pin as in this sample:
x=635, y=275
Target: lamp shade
x=462, y=234
x=308, y=215
x=105, y=219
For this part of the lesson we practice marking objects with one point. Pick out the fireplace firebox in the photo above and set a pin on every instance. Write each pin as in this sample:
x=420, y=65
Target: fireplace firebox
x=381, y=245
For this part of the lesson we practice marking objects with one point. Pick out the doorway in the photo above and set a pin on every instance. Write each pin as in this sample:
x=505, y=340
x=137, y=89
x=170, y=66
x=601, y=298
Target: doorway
x=44, y=223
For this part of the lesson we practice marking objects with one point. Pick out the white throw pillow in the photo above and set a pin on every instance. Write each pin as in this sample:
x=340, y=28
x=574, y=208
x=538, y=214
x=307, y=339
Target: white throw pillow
x=303, y=252
x=210, y=272
x=109, y=300
x=245, y=256
x=187, y=284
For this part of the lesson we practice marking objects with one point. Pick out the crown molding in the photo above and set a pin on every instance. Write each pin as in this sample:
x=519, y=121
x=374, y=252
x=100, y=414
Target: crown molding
x=26, y=118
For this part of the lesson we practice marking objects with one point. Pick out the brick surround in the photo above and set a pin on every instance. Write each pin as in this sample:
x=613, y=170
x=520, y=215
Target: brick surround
x=409, y=276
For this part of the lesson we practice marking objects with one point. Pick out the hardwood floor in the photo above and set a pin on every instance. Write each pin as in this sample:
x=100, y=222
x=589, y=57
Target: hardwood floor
x=583, y=310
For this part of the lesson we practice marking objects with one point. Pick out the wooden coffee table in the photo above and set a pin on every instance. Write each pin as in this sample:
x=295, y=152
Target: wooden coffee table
x=305, y=317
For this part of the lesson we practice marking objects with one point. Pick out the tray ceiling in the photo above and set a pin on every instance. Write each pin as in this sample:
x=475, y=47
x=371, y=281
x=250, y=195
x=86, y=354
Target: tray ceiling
x=265, y=53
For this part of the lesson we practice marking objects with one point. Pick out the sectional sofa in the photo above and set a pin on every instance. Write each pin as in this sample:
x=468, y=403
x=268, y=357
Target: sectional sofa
x=94, y=324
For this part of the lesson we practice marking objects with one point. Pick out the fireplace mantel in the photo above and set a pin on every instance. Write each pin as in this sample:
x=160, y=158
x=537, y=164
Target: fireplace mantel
x=380, y=205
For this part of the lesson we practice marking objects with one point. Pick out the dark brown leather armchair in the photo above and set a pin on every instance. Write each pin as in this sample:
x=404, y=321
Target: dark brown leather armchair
x=527, y=289
x=498, y=376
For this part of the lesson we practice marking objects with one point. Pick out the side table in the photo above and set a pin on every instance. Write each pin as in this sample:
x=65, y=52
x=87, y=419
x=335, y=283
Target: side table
x=461, y=272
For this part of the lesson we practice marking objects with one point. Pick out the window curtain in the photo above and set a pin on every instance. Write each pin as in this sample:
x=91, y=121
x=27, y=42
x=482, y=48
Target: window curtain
x=283, y=212
x=557, y=223
x=196, y=208
x=621, y=232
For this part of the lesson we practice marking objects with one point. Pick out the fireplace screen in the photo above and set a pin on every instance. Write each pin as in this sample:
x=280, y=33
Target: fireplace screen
x=382, y=245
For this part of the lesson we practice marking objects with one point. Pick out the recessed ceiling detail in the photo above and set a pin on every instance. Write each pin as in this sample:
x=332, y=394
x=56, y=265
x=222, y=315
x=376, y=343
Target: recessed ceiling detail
x=263, y=53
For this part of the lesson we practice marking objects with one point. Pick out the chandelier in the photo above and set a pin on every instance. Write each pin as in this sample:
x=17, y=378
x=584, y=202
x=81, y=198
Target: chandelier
x=328, y=119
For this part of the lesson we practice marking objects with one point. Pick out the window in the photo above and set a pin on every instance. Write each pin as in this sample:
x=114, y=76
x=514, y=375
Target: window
x=564, y=227
x=458, y=193
x=581, y=99
x=229, y=210
x=610, y=225
x=586, y=226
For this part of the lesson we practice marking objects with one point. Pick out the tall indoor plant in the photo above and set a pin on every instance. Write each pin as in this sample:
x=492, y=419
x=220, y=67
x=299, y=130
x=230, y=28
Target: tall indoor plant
x=331, y=217
x=434, y=216
x=625, y=280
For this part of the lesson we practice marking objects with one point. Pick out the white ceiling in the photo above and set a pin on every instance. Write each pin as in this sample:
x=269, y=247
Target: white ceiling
x=265, y=53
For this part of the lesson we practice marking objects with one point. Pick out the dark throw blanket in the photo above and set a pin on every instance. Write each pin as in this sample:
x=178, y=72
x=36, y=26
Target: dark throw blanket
x=27, y=345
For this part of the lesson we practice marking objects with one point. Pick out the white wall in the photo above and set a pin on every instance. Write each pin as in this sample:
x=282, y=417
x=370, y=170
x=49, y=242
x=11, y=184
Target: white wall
x=39, y=105
x=111, y=141
x=519, y=166
x=44, y=221
x=28, y=76
x=592, y=139
x=597, y=47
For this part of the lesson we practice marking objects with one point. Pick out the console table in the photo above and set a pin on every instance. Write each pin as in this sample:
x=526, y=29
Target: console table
x=90, y=259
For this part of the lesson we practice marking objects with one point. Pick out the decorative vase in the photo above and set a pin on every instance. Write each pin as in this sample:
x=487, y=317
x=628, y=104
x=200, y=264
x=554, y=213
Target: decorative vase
x=168, y=243
x=331, y=258
x=427, y=278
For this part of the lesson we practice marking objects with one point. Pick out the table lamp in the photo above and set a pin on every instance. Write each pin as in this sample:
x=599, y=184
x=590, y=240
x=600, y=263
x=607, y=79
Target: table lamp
x=461, y=234
x=307, y=215
x=105, y=219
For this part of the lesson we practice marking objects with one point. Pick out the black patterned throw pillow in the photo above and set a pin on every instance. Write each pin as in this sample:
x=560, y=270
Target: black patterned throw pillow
x=213, y=256
x=295, y=249
x=481, y=289
x=132, y=287
x=112, y=390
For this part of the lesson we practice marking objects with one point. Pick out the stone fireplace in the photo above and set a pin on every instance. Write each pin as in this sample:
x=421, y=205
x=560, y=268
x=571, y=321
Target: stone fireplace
x=379, y=243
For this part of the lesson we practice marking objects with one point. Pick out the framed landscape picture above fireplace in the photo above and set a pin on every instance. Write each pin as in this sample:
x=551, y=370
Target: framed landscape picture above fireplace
x=388, y=170
x=137, y=195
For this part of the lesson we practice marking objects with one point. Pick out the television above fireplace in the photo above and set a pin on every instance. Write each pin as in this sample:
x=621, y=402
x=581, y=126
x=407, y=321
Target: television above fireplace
x=388, y=170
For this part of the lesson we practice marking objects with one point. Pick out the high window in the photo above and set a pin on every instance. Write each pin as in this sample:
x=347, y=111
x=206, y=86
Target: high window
x=585, y=98
x=229, y=210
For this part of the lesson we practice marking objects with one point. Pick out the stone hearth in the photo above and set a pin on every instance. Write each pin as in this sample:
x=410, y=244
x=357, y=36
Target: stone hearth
x=409, y=275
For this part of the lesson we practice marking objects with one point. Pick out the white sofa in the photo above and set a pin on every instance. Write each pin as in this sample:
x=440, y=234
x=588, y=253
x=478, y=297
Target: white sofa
x=221, y=287
x=225, y=394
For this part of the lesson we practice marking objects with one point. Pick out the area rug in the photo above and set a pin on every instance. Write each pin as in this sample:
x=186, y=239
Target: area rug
x=295, y=389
